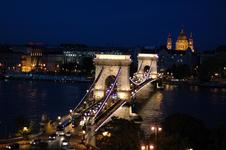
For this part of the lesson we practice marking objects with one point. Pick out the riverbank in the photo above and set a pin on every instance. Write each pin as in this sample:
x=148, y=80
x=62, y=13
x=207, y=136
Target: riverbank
x=210, y=84
x=45, y=77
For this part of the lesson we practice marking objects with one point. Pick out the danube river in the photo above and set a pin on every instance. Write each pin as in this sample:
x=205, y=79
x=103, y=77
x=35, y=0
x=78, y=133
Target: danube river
x=31, y=99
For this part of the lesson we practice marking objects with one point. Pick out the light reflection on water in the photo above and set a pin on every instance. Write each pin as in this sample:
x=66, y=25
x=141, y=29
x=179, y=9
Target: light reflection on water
x=31, y=99
x=207, y=104
x=151, y=111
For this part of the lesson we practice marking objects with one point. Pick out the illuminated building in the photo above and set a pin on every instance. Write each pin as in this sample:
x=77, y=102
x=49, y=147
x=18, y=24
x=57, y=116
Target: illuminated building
x=26, y=63
x=169, y=42
x=190, y=43
x=182, y=43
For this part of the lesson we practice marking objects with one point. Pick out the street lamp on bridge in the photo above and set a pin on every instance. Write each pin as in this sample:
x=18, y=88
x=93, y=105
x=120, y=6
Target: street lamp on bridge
x=156, y=129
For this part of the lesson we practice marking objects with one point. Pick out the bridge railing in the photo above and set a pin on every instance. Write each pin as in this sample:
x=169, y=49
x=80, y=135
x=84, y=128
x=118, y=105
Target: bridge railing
x=89, y=91
x=102, y=119
x=144, y=79
x=109, y=93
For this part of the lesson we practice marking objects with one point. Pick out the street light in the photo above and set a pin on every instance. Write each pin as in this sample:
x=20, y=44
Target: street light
x=25, y=129
x=58, y=117
x=142, y=147
x=156, y=129
x=151, y=147
x=106, y=133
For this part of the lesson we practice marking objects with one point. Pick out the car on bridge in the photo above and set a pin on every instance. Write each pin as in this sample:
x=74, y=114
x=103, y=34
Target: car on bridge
x=52, y=137
x=60, y=131
x=38, y=143
x=14, y=146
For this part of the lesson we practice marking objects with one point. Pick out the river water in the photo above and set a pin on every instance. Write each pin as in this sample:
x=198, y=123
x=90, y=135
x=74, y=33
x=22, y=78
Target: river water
x=206, y=104
x=31, y=99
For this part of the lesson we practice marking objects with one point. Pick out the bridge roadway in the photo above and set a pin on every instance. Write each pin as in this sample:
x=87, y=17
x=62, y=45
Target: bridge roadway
x=96, y=110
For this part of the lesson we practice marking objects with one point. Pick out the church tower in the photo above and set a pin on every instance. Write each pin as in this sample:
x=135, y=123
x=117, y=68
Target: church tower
x=169, y=42
x=191, y=46
x=182, y=41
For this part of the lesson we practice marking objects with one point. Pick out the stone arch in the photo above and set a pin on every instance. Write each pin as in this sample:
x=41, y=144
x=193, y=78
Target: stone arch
x=145, y=60
x=110, y=80
x=147, y=68
x=111, y=65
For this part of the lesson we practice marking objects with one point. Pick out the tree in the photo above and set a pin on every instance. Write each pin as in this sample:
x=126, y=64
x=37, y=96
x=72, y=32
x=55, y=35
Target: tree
x=182, y=131
x=181, y=71
x=120, y=135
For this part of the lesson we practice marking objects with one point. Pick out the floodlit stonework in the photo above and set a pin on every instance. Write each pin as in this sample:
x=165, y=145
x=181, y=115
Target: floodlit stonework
x=112, y=64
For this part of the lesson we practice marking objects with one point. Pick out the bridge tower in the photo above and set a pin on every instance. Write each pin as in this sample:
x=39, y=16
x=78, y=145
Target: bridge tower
x=147, y=62
x=109, y=65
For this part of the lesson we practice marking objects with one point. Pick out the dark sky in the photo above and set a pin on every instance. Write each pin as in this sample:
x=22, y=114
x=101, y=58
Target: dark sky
x=112, y=22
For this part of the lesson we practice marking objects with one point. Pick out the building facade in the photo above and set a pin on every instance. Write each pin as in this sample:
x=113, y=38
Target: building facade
x=182, y=42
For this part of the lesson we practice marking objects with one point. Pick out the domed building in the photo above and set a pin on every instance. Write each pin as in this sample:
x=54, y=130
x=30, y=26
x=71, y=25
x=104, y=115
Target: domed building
x=182, y=43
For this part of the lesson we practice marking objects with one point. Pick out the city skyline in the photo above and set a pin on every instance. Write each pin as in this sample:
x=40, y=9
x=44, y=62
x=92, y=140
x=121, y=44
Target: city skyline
x=113, y=23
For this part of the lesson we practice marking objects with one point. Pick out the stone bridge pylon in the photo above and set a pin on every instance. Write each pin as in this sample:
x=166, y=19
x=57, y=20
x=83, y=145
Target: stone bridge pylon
x=107, y=68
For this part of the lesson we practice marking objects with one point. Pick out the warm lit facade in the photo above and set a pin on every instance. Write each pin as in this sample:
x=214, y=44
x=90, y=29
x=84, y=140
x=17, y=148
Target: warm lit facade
x=26, y=63
x=169, y=42
x=182, y=43
x=190, y=43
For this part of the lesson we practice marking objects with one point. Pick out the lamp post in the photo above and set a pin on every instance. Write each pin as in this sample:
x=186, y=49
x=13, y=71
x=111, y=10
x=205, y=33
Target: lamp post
x=147, y=147
x=156, y=129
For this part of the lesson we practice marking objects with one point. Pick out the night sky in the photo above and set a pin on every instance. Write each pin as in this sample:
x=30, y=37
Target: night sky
x=112, y=22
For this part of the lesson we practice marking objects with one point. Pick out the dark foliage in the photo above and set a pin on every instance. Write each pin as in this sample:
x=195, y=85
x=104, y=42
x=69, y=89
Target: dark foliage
x=125, y=135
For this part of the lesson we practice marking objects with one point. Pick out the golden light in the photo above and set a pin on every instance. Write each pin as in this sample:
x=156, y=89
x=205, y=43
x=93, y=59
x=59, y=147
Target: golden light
x=151, y=147
x=83, y=132
x=59, y=117
x=25, y=129
x=152, y=128
x=112, y=57
x=142, y=147
x=160, y=129
x=106, y=133
x=148, y=55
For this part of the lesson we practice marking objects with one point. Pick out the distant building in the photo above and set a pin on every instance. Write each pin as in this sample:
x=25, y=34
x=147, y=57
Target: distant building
x=182, y=43
x=38, y=60
x=52, y=61
x=169, y=42
x=9, y=60
x=169, y=58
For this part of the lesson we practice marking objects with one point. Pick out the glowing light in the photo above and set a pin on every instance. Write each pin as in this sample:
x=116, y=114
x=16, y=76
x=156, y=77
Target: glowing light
x=105, y=133
x=83, y=132
x=148, y=55
x=112, y=57
x=142, y=147
x=25, y=129
x=151, y=147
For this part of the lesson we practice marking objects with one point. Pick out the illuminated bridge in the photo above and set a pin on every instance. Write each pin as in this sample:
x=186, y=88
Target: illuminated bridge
x=111, y=89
